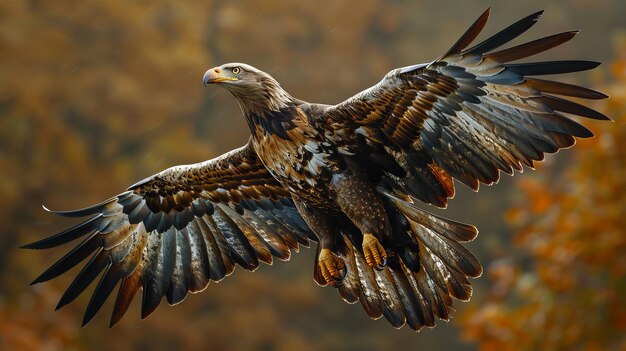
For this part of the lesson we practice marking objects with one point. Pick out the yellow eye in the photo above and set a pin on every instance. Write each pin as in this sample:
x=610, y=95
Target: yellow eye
x=236, y=70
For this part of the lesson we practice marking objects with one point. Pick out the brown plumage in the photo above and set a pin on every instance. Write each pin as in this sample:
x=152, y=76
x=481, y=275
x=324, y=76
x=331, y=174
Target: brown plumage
x=346, y=176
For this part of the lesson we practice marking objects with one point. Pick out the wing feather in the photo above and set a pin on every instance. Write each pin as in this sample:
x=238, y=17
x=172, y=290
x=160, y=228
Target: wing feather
x=506, y=35
x=176, y=231
x=467, y=116
x=181, y=278
x=471, y=113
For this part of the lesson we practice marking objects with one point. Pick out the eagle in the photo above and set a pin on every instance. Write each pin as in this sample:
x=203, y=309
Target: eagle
x=347, y=177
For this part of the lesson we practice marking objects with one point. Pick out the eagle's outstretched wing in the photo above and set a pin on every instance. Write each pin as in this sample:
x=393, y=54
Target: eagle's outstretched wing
x=467, y=115
x=177, y=231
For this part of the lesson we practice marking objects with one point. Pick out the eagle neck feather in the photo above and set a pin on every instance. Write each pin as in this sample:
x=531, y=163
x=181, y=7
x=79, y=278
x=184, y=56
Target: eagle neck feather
x=269, y=106
x=273, y=122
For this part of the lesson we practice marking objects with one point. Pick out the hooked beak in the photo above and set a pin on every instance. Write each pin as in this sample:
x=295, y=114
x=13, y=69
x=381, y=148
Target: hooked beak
x=214, y=75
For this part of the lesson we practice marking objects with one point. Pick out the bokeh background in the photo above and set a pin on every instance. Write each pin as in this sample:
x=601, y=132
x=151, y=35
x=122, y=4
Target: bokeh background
x=95, y=95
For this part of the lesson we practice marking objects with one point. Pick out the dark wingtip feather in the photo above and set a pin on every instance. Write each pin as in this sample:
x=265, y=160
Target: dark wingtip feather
x=560, y=88
x=83, y=211
x=30, y=246
x=149, y=304
x=469, y=35
x=551, y=67
x=504, y=36
x=532, y=47
x=65, y=236
x=89, y=272
x=112, y=274
x=70, y=260
x=571, y=107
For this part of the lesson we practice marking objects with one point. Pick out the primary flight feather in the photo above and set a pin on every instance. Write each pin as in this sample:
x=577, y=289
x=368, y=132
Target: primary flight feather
x=345, y=176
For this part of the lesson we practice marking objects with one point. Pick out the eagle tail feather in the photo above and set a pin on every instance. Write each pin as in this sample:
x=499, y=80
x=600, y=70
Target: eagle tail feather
x=426, y=268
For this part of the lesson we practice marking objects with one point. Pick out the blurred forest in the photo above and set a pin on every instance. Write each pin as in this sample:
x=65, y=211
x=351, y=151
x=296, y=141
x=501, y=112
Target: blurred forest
x=96, y=95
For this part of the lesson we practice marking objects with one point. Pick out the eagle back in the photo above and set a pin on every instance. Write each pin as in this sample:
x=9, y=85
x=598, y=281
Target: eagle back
x=299, y=156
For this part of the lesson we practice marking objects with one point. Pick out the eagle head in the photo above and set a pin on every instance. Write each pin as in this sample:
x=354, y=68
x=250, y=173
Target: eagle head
x=257, y=92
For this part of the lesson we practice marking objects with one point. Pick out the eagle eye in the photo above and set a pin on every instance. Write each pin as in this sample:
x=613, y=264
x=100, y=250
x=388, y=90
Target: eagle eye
x=236, y=70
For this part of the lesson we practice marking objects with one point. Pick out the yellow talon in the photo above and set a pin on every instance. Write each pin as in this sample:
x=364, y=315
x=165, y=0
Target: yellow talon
x=375, y=254
x=332, y=267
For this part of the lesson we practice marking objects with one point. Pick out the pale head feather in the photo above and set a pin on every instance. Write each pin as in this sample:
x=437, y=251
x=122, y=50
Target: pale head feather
x=256, y=91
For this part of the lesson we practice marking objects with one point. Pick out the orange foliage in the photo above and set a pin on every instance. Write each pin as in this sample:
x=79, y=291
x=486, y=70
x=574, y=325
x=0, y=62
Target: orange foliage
x=571, y=293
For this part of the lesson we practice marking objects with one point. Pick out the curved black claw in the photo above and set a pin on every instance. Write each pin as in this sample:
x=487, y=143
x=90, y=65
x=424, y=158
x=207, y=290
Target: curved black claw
x=382, y=265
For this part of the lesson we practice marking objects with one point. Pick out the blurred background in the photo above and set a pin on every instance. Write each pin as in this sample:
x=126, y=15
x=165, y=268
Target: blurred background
x=96, y=95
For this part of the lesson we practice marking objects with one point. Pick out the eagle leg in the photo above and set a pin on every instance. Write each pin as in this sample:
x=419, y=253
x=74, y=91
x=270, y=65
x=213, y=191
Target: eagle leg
x=360, y=202
x=330, y=267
